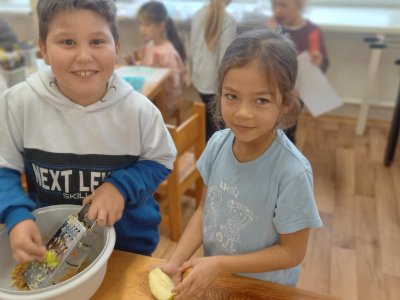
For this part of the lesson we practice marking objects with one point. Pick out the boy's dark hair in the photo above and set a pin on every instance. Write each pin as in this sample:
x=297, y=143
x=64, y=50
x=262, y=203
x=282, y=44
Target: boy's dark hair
x=276, y=55
x=47, y=9
x=156, y=12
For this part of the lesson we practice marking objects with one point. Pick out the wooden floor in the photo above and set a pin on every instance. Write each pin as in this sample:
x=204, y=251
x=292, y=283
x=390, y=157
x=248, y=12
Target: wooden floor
x=356, y=255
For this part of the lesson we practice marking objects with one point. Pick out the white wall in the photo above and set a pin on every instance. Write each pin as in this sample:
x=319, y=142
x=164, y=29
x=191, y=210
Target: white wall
x=349, y=57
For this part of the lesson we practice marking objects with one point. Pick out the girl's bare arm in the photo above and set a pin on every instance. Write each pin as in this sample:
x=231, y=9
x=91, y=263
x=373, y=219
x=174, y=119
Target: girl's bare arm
x=192, y=237
x=288, y=253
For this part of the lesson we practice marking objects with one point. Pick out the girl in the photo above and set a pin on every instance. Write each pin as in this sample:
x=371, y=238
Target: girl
x=212, y=30
x=306, y=36
x=163, y=49
x=256, y=212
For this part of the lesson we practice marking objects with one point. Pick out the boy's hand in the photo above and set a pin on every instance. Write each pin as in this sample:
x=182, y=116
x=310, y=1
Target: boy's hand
x=107, y=204
x=204, y=272
x=316, y=58
x=26, y=242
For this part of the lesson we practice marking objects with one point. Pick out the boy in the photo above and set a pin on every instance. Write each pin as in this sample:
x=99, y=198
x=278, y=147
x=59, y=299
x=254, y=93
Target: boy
x=80, y=132
x=306, y=36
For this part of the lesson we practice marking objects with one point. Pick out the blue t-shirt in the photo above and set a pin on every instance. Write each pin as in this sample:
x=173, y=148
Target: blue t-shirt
x=249, y=204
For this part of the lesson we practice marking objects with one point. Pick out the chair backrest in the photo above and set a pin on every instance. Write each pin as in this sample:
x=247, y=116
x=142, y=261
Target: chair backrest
x=191, y=133
x=190, y=139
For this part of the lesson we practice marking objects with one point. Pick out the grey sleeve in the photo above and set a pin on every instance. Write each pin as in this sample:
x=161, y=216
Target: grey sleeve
x=10, y=137
x=157, y=143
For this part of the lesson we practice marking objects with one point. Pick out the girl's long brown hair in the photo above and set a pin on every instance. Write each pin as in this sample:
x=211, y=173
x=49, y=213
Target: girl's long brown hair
x=213, y=23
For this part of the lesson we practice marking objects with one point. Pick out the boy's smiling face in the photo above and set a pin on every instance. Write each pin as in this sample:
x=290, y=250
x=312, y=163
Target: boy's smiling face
x=82, y=53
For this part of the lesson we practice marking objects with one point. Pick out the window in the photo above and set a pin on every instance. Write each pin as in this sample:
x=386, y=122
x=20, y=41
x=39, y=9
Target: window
x=14, y=6
x=356, y=2
x=317, y=2
x=24, y=5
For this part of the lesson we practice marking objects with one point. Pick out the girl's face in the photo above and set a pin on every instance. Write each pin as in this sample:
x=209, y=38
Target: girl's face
x=286, y=12
x=82, y=53
x=248, y=106
x=151, y=31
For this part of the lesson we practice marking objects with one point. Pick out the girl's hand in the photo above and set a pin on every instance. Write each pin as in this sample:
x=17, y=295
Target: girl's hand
x=204, y=272
x=107, y=204
x=173, y=271
x=271, y=23
x=129, y=59
x=26, y=242
x=132, y=58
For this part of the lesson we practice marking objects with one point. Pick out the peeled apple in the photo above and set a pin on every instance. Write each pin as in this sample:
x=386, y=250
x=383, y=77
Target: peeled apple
x=160, y=285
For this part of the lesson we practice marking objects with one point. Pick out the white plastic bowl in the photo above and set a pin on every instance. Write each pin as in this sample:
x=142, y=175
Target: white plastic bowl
x=81, y=286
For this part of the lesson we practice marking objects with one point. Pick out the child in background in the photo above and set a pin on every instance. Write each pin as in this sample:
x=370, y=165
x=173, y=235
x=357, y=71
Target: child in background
x=163, y=49
x=306, y=35
x=258, y=207
x=88, y=137
x=212, y=30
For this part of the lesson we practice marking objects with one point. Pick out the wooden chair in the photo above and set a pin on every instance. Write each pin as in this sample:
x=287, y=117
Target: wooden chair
x=189, y=138
x=174, y=117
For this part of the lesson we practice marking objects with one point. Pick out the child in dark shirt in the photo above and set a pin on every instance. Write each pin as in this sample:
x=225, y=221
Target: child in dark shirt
x=306, y=35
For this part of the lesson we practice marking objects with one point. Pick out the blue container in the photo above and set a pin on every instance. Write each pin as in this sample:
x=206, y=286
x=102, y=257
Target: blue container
x=137, y=82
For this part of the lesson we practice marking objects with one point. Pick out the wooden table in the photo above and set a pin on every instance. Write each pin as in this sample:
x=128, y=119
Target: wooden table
x=126, y=279
x=154, y=81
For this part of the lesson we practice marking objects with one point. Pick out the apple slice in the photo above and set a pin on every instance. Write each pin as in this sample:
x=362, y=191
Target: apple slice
x=160, y=285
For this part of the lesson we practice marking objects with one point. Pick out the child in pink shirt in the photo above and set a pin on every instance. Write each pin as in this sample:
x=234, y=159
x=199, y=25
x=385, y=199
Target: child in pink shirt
x=163, y=49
